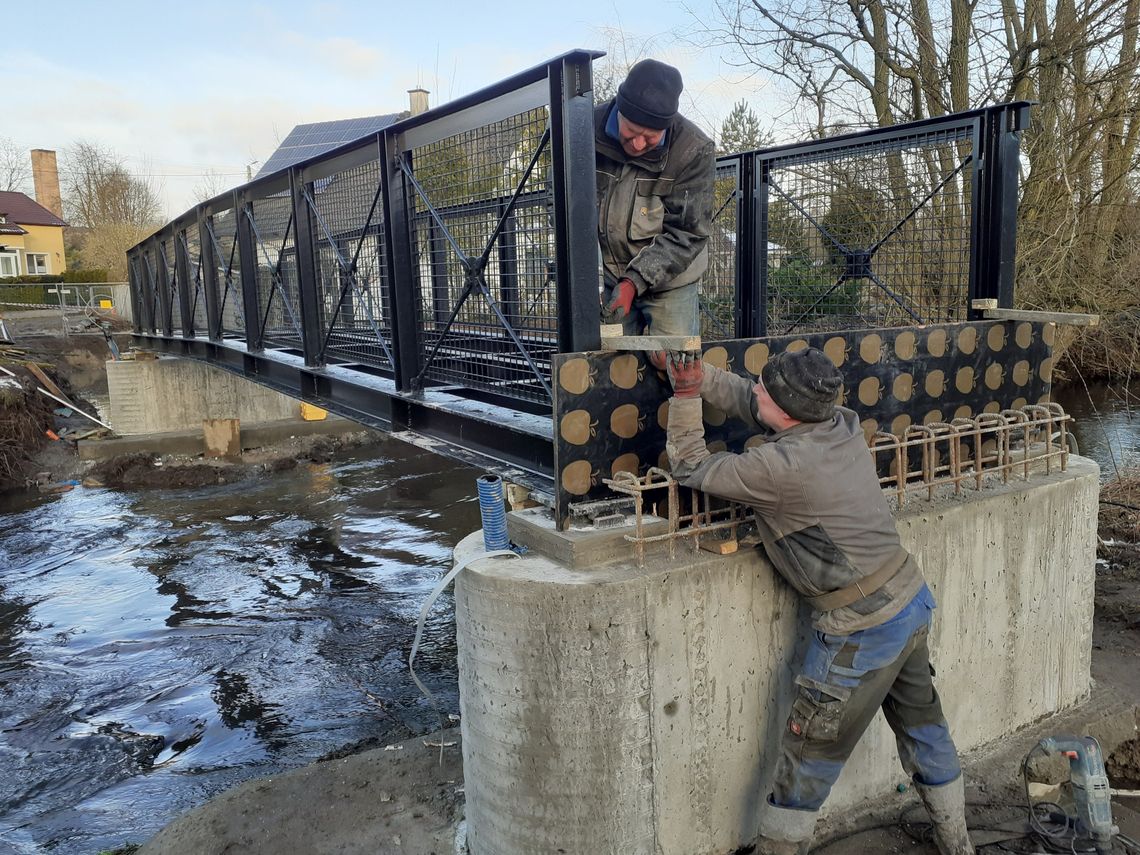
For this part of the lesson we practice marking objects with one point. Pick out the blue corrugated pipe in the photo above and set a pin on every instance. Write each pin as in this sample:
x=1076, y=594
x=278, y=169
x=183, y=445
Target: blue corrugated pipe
x=493, y=513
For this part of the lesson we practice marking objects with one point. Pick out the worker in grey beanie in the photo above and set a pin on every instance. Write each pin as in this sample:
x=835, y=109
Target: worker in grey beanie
x=655, y=195
x=827, y=530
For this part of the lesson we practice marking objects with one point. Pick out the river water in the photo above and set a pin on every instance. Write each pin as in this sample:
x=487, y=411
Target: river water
x=158, y=647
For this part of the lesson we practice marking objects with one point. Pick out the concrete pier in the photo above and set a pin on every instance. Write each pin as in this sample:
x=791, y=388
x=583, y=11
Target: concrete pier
x=608, y=708
x=172, y=394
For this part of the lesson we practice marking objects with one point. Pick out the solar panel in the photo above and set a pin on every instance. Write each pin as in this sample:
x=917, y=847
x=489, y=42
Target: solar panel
x=305, y=141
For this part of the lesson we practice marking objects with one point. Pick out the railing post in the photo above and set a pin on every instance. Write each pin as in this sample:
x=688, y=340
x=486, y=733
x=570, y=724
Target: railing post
x=751, y=247
x=135, y=288
x=312, y=324
x=402, y=278
x=509, y=266
x=162, y=275
x=575, y=203
x=1009, y=122
x=209, y=275
x=994, y=230
x=183, y=282
x=247, y=249
x=146, y=295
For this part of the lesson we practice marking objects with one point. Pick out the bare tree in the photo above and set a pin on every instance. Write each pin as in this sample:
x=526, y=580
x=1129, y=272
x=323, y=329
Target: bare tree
x=211, y=184
x=15, y=166
x=115, y=208
x=864, y=63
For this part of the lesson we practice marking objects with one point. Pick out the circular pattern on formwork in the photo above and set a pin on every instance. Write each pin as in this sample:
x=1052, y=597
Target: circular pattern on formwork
x=615, y=408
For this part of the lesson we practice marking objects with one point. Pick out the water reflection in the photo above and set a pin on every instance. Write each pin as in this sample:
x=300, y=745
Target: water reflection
x=158, y=647
x=1106, y=425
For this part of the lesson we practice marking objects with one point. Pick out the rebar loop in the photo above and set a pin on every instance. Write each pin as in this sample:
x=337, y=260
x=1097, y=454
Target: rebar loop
x=702, y=518
x=945, y=454
x=1014, y=440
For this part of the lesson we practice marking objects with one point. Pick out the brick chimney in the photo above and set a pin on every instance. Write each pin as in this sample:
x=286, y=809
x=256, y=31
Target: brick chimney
x=45, y=176
x=417, y=101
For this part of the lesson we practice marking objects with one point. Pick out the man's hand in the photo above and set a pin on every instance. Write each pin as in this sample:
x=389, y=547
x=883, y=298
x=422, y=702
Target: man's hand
x=686, y=372
x=621, y=302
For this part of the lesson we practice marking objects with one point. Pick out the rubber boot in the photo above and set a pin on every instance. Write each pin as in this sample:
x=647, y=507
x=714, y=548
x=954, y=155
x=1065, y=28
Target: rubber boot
x=785, y=831
x=946, y=805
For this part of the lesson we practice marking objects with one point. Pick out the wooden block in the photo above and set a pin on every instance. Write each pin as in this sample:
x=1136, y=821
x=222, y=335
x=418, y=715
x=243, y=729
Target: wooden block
x=1074, y=319
x=719, y=547
x=652, y=342
x=44, y=379
x=978, y=305
x=222, y=437
x=612, y=330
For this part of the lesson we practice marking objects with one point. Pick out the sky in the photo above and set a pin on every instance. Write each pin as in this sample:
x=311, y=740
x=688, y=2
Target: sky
x=182, y=91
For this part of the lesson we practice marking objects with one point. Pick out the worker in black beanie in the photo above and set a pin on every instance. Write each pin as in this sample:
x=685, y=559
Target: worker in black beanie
x=827, y=530
x=655, y=195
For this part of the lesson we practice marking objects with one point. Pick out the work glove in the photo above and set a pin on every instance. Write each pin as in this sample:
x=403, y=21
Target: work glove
x=686, y=373
x=620, y=303
x=657, y=359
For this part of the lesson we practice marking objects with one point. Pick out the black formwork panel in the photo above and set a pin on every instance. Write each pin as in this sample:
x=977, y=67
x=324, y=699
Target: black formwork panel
x=222, y=229
x=718, y=286
x=351, y=267
x=278, y=293
x=484, y=258
x=872, y=234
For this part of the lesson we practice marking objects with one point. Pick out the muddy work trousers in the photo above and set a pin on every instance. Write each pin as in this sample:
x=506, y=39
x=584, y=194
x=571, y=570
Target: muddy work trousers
x=845, y=679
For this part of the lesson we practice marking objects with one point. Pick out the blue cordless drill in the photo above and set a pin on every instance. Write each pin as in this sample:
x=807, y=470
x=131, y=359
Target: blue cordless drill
x=1090, y=787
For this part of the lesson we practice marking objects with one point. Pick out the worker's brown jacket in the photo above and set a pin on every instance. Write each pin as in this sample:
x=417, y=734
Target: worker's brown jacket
x=824, y=519
x=655, y=211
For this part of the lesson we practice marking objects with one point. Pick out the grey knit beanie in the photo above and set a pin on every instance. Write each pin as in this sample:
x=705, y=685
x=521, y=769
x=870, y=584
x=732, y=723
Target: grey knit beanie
x=803, y=384
x=650, y=94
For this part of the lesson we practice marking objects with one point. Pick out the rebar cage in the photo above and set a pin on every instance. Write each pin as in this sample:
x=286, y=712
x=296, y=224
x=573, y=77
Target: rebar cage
x=422, y=278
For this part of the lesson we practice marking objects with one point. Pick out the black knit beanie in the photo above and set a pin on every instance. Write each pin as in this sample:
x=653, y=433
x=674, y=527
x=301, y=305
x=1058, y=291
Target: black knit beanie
x=649, y=94
x=803, y=384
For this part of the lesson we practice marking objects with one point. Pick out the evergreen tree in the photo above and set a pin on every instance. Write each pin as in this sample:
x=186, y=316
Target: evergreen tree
x=741, y=131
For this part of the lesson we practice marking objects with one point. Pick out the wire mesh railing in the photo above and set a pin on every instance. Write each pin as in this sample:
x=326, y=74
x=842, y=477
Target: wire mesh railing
x=457, y=250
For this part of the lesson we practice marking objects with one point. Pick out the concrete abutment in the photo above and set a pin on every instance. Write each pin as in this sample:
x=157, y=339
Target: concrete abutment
x=609, y=708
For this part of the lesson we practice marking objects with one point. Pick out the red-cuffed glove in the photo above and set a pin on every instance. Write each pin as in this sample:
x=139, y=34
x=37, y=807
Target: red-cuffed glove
x=621, y=302
x=686, y=372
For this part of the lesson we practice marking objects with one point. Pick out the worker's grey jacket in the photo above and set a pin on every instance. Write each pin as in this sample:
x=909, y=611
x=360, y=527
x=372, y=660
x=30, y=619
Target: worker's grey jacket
x=823, y=518
x=655, y=211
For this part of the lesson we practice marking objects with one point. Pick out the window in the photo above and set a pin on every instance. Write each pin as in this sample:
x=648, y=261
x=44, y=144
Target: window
x=36, y=262
x=9, y=264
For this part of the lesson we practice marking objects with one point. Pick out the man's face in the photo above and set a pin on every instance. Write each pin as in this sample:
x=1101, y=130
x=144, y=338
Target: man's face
x=636, y=139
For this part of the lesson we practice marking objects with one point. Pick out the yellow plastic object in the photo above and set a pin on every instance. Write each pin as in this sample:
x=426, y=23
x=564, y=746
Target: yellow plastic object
x=104, y=303
x=311, y=413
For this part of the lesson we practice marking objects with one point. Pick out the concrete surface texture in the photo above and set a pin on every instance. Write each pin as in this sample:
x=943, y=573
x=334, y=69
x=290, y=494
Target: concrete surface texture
x=618, y=709
x=169, y=394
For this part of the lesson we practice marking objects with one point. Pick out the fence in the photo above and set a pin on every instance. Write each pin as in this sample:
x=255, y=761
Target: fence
x=444, y=261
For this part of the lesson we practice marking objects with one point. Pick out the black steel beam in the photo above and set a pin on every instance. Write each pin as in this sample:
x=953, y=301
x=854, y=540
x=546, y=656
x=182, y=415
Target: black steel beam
x=210, y=262
x=514, y=444
x=162, y=282
x=183, y=282
x=312, y=320
x=247, y=252
x=403, y=276
x=575, y=204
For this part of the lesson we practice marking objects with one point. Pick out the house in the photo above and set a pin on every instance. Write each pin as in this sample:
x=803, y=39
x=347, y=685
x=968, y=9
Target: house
x=31, y=237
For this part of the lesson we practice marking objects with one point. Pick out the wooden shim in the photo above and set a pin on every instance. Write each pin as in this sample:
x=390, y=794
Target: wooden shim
x=1071, y=318
x=43, y=378
x=984, y=303
x=652, y=342
x=612, y=330
x=222, y=437
x=719, y=547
